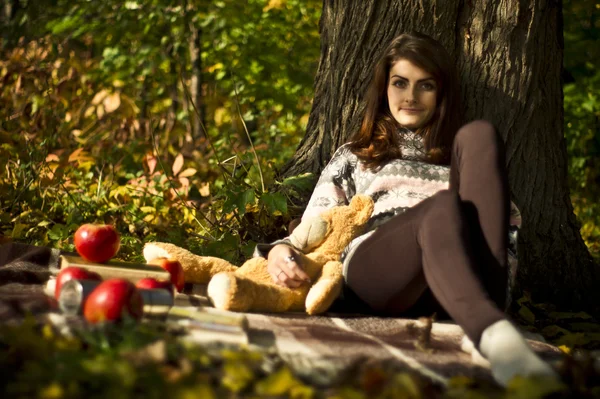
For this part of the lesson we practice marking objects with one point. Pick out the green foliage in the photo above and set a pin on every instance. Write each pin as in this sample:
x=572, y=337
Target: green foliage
x=582, y=113
x=96, y=120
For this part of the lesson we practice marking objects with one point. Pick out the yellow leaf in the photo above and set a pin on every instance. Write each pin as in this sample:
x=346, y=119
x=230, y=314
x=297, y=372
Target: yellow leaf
x=221, y=116
x=236, y=375
x=177, y=164
x=52, y=158
x=18, y=229
x=148, y=209
x=89, y=112
x=213, y=68
x=204, y=189
x=410, y=387
x=203, y=391
x=99, y=97
x=534, y=387
x=112, y=102
x=148, y=218
x=565, y=349
x=277, y=384
x=188, y=172
x=100, y=111
x=79, y=155
x=52, y=391
x=274, y=4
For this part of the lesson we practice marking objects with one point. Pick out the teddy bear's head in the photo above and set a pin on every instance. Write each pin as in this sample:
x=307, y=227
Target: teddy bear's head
x=332, y=231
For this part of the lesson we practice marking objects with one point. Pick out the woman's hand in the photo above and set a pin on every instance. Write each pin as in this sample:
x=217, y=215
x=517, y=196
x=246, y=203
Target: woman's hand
x=284, y=266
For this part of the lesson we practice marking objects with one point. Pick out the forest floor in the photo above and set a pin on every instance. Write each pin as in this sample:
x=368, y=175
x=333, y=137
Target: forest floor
x=287, y=355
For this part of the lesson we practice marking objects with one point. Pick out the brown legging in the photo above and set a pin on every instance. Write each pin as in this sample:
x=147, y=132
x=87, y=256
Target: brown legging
x=453, y=243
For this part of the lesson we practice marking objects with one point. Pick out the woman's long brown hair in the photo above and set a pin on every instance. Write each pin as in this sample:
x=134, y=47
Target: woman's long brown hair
x=377, y=140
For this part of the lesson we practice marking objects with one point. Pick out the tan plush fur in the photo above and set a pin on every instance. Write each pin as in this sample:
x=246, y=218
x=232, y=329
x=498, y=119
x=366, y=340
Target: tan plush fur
x=250, y=286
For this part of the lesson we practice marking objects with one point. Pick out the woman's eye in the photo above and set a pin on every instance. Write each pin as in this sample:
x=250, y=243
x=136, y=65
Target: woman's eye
x=399, y=83
x=428, y=86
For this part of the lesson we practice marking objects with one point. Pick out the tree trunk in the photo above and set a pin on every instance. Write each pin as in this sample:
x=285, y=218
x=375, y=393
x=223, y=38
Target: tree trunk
x=509, y=55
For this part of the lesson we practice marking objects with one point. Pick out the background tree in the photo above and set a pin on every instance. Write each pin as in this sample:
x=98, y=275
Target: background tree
x=510, y=58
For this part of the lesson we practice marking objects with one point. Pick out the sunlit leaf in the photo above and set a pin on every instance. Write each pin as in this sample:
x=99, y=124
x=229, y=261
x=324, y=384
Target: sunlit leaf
x=177, y=164
x=18, y=229
x=100, y=111
x=277, y=383
x=52, y=158
x=187, y=172
x=204, y=189
x=112, y=102
x=99, y=97
x=236, y=375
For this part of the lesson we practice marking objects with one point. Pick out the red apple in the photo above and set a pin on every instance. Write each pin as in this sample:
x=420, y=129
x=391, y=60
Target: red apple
x=152, y=283
x=112, y=300
x=97, y=243
x=173, y=266
x=73, y=273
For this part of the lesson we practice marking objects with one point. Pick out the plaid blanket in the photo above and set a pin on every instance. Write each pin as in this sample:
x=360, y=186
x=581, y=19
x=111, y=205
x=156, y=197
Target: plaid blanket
x=331, y=344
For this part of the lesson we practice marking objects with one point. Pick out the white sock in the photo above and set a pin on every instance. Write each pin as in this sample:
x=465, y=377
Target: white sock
x=509, y=354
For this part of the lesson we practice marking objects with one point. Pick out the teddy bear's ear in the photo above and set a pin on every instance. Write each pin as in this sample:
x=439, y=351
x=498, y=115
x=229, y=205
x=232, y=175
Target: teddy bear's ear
x=363, y=205
x=309, y=233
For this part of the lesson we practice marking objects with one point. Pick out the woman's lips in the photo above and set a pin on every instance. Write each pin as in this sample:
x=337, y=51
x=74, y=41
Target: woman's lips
x=411, y=110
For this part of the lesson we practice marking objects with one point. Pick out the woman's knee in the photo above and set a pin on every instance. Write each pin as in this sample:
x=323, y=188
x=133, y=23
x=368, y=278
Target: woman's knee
x=480, y=136
x=445, y=209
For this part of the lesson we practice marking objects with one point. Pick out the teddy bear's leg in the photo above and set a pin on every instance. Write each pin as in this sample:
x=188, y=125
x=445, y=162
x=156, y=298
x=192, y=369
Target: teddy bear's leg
x=326, y=289
x=231, y=291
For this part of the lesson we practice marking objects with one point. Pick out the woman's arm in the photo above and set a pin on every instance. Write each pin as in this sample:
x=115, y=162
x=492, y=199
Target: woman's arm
x=334, y=187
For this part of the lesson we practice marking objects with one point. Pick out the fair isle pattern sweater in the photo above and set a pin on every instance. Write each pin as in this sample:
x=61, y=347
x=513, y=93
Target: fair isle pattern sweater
x=395, y=186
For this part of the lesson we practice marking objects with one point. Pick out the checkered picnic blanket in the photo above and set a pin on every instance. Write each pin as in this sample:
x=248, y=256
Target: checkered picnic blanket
x=316, y=347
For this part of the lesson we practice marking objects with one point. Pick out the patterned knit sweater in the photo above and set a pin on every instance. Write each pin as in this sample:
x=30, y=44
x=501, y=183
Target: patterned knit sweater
x=394, y=186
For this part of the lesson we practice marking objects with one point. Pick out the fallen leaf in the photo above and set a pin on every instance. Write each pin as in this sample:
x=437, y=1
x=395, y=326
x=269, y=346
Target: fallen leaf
x=278, y=383
x=533, y=387
x=554, y=330
x=569, y=315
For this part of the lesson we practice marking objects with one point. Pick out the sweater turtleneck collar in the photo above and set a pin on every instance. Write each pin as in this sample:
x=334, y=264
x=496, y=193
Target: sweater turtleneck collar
x=411, y=144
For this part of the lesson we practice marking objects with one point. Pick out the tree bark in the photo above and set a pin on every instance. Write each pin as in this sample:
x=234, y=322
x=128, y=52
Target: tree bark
x=509, y=55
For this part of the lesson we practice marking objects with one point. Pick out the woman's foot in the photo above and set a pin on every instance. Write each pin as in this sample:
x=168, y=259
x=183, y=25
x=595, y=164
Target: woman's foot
x=509, y=354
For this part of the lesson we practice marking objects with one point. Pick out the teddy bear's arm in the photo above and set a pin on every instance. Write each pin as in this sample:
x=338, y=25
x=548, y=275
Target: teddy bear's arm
x=326, y=289
x=196, y=269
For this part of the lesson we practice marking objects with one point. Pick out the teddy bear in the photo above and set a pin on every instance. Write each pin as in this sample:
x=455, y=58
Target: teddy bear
x=250, y=287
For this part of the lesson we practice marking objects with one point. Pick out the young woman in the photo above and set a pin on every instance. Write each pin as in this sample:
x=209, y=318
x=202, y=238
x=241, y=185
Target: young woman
x=435, y=229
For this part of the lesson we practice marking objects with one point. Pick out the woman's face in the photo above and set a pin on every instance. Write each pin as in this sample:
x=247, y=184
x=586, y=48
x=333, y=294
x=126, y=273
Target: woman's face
x=412, y=94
